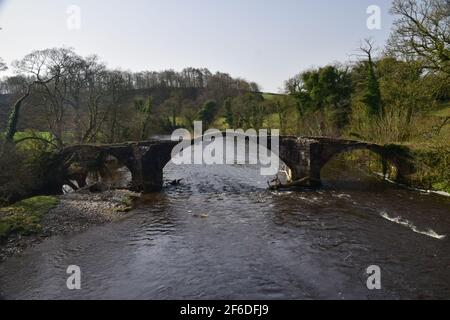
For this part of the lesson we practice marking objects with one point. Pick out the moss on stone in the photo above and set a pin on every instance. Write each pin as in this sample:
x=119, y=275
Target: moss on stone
x=24, y=217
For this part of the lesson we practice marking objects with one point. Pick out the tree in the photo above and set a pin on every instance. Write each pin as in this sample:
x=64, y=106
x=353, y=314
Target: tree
x=229, y=115
x=254, y=87
x=86, y=89
x=175, y=103
x=282, y=108
x=14, y=114
x=220, y=86
x=116, y=88
x=145, y=111
x=247, y=110
x=255, y=110
x=326, y=90
x=50, y=68
x=407, y=92
x=15, y=84
x=372, y=94
x=208, y=113
x=3, y=65
x=72, y=91
x=94, y=97
x=189, y=114
x=422, y=31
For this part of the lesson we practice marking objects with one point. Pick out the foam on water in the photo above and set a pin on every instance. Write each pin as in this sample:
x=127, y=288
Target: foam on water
x=399, y=220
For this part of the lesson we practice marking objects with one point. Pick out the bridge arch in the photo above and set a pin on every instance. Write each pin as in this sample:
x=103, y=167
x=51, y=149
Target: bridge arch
x=81, y=163
x=150, y=168
x=305, y=156
x=326, y=149
x=363, y=156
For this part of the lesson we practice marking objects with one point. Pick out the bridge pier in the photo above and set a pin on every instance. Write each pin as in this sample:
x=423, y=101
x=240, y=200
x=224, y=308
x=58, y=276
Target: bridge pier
x=146, y=160
x=296, y=154
x=148, y=181
x=152, y=177
x=152, y=160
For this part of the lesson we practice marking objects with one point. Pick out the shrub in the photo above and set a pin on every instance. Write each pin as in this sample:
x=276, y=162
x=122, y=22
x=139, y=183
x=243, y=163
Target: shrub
x=24, y=171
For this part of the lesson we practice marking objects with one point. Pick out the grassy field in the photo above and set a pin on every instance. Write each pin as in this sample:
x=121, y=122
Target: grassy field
x=442, y=113
x=271, y=96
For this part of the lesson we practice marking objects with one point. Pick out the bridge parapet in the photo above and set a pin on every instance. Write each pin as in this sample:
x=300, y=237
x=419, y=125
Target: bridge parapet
x=305, y=156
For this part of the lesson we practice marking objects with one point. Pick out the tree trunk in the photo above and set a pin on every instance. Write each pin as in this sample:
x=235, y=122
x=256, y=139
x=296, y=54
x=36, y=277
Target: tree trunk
x=13, y=119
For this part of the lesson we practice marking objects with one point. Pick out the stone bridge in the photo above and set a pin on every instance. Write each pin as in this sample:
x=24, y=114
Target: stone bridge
x=305, y=156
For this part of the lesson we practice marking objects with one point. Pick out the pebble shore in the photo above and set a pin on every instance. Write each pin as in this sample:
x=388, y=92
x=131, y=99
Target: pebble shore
x=74, y=213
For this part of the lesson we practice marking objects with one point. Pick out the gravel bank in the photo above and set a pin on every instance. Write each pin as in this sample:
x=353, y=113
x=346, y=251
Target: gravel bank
x=75, y=212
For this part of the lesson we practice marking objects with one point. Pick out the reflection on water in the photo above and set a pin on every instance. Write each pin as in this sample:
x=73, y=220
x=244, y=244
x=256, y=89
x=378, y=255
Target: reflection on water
x=222, y=234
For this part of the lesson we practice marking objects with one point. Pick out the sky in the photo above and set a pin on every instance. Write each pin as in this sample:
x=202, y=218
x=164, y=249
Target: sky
x=266, y=41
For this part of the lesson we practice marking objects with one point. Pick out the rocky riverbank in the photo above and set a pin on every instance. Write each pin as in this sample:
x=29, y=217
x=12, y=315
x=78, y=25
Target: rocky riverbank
x=73, y=213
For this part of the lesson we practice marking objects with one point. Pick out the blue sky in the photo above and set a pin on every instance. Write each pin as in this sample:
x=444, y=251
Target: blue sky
x=265, y=41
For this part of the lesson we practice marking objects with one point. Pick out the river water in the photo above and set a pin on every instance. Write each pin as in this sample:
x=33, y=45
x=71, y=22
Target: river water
x=222, y=235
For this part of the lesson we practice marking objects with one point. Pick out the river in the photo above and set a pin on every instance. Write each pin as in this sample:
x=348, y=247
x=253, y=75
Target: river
x=222, y=235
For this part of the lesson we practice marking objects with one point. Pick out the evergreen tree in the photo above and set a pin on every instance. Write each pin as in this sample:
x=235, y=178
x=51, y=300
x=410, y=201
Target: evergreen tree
x=372, y=94
x=208, y=113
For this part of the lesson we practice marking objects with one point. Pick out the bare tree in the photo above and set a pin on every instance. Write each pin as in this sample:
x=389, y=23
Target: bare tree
x=422, y=31
x=95, y=95
x=14, y=115
x=86, y=92
x=116, y=87
x=50, y=68
x=3, y=65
